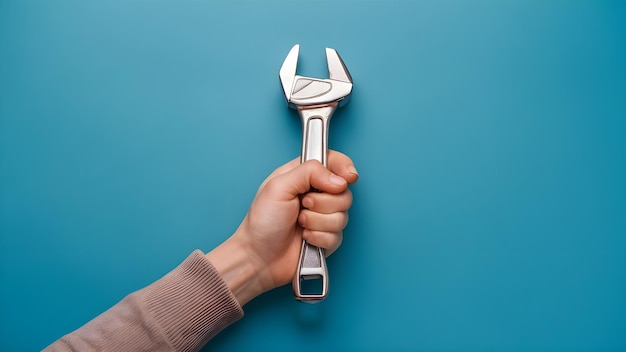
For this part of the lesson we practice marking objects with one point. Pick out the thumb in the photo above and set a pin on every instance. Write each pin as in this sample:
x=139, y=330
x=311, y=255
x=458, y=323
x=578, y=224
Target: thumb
x=300, y=180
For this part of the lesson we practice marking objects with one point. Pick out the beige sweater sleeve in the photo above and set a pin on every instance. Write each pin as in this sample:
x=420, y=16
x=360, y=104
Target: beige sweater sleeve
x=180, y=312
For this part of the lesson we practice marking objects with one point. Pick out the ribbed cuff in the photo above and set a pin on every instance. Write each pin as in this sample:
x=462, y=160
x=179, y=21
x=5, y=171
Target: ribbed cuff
x=191, y=304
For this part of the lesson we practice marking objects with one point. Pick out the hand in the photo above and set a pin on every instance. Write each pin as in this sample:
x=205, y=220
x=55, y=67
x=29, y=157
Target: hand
x=263, y=253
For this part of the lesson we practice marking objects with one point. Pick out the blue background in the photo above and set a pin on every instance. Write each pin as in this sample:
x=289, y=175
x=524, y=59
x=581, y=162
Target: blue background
x=490, y=137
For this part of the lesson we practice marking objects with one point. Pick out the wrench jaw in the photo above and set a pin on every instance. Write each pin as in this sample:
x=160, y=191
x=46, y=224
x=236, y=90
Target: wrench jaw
x=287, y=73
x=339, y=74
x=337, y=69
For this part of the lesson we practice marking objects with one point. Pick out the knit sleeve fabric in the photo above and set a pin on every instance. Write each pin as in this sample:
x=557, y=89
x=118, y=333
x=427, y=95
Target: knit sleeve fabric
x=181, y=311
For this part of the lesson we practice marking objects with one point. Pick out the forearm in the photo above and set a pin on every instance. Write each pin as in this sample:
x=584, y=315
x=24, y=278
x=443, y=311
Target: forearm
x=180, y=312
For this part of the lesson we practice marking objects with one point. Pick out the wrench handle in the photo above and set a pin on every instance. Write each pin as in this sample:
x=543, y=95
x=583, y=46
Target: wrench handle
x=310, y=283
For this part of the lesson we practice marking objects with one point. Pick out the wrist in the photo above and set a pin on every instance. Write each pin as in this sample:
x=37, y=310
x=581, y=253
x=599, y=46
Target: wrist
x=240, y=270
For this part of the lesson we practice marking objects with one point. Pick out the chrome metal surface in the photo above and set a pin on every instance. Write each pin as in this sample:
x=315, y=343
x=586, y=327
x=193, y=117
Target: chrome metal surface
x=315, y=99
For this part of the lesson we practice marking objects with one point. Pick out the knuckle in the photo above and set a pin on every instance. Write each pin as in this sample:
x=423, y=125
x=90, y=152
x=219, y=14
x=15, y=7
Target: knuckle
x=312, y=164
x=341, y=220
x=271, y=185
x=348, y=197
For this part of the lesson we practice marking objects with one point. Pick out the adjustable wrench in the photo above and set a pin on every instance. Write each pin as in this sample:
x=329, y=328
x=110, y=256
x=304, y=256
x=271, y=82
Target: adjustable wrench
x=316, y=100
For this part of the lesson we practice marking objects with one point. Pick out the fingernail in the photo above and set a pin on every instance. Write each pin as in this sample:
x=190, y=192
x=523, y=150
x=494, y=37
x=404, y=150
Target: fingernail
x=352, y=170
x=336, y=180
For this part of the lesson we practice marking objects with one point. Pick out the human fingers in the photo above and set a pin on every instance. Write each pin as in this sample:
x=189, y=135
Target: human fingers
x=327, y=203
x=300, y=179
x=338, y=163
x=342, y=165
x=323, y=222
x=330, y=241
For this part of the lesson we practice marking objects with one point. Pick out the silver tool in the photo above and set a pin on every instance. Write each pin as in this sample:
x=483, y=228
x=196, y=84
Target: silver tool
x=316, y=100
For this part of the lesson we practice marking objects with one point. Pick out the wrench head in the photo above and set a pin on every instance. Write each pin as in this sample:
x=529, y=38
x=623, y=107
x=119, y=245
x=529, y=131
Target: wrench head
x=306, y=91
